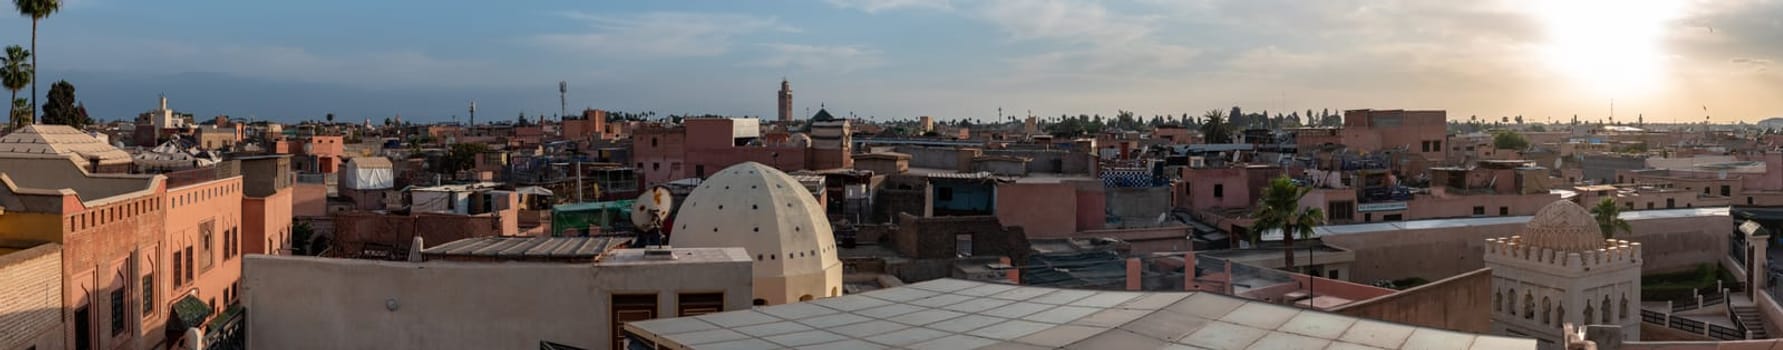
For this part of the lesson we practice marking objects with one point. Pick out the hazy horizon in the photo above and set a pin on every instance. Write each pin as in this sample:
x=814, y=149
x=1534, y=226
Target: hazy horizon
x=1668, y=60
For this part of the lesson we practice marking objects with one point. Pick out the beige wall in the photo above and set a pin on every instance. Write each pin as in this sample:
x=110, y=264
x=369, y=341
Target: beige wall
x=1669, y=244
x=320, y=303
x=1457, y=303
x=31, y=298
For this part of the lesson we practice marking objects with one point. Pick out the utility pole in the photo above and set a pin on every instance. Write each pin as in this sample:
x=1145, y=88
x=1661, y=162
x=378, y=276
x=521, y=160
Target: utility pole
x=563, y=101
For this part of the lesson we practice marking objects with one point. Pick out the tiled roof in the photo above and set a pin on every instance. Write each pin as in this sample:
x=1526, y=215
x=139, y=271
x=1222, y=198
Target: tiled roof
x=524, y=247
x=60, y=140
x=957, y=314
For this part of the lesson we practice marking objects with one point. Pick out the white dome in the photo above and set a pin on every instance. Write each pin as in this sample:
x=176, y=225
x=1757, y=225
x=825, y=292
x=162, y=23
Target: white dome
x=771, y=215
x=800, y=140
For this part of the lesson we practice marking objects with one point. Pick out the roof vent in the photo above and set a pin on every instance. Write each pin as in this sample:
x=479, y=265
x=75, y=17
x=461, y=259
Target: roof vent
x=658, y=252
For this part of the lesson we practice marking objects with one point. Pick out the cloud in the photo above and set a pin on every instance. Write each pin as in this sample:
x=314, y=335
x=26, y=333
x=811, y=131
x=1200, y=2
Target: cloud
x=1755, y=65
x=378, y=68
x=1088, y=38
x=841, y=59
x=874, y=6
x=658, y=34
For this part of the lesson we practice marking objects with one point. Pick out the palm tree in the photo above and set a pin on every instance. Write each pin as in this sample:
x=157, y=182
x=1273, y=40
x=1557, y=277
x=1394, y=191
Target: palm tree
x=37, y=10
x=1280, y=209
x=1215, y=130
x=1609, y=218
x=15, y=73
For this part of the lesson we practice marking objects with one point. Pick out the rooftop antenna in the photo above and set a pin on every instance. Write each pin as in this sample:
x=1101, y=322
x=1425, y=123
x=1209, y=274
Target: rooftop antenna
x=473, y=112
x=563, y=101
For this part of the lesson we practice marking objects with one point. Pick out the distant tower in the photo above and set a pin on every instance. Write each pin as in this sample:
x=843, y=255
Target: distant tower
x=785, y=102
x=563, y=101
x=473, y=113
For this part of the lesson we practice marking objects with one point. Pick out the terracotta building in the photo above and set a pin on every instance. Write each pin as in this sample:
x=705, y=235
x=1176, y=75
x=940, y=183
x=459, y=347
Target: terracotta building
x=591, y=126
x=133, y=246
x=699, y=147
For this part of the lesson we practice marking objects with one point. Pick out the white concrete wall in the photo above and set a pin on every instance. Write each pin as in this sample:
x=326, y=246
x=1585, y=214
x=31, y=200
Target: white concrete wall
x=319, y=303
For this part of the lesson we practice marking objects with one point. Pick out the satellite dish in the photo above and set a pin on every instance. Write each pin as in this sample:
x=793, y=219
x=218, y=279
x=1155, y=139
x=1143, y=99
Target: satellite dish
x=651, y=208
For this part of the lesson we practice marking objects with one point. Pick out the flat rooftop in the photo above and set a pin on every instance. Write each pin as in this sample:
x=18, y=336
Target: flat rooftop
x=959, y=314
x=526, y=247
x=1631, y=216
x=628, y=257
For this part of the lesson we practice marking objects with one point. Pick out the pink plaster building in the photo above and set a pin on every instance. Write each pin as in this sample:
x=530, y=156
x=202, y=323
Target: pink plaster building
x=327, y=151
x=591, y=126
x=267, y=194
x=699, y=147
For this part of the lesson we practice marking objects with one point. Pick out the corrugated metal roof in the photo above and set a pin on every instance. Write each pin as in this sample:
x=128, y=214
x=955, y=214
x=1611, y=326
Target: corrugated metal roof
x=526, y=247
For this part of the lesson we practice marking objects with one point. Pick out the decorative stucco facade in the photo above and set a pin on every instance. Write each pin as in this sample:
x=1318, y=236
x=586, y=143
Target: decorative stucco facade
x=1560, y=270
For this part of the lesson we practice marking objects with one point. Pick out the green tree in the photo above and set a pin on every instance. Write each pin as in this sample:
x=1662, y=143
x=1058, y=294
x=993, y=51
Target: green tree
x=1509, y=140
x=1214, y=128
x=1609, y=218
x=21, y=111
x=463, y=156
x=1279, y=209
x=15, y=75
x=63, y=109
x=37, y=10
x=330, y=118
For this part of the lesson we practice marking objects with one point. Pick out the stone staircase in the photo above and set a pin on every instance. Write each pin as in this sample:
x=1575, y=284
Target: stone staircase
x=1747, y=316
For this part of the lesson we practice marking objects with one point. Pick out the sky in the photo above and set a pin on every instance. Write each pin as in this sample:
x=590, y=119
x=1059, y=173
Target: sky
x=1676, y=60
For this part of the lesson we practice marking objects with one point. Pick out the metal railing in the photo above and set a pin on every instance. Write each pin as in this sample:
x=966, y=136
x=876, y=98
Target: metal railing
x=1687, y=325
x=1653, y=317
x=228, y=334
x=1725, y=333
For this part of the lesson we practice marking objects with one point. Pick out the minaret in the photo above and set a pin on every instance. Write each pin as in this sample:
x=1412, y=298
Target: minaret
x=785, y=102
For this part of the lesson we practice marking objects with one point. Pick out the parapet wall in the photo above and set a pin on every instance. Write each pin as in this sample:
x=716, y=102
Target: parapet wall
x=1618, y=252
x=1669, y=244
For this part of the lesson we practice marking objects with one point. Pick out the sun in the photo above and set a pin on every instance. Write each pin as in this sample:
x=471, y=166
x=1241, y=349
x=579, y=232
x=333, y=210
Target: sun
x=1609, y=47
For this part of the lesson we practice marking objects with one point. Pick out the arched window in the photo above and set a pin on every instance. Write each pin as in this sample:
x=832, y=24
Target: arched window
x=1498, y=302
x=1588, y=312
x=806, y=297
x=1559, y=314
x=1624, y=308
x=1547, y=311
x=1608, y=315
x=1510, y=302
x=1528, y=306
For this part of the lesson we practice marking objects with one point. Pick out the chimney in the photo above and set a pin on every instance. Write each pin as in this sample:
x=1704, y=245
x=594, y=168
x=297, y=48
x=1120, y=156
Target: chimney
x=1011, y=273
x=415, y=250
x=1188, y=270
x=1133, y=274
x=965, y=156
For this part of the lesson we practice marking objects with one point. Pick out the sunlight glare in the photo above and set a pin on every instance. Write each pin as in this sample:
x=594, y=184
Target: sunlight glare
x=1609, y=47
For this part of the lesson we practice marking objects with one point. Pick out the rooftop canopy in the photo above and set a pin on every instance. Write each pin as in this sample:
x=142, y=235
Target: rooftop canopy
x=958, y=314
